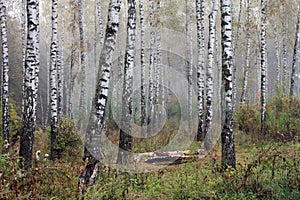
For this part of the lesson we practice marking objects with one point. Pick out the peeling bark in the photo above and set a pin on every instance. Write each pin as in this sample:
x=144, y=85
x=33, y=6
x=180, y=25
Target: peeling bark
x=30, y=84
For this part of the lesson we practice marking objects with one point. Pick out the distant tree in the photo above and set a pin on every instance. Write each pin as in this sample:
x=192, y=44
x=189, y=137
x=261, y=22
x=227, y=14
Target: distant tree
x=228, y=151
x=125, y=141
x=92, y=150
x=284, y=44
x=5, y=77
x=296, y=53
x=246, y=69
x=99, y=9
x=82, y=104
x=30, y=83
x=263, y=65
x=200, y=66
x=73, y=5
x=61, y=65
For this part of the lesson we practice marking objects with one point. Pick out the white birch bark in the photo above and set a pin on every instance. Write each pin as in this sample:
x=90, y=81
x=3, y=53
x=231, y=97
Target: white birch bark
x=143, y=63
x=53, y=82
x=23, y=32
x=246, y=70
x=99, y=9
x=82, y=101
x=151, y=66
x=228, y=151
x=60, y=73
x=263, y=66
x=125, y=141
x=189, y=58
x=200, y=66
x=72, y=61
x=296, y=52
x=30, y=83
x=209, y=77
x=5, y=77
x=93, y=153
x=157, y=64
x=278, y=69
x=284, y=46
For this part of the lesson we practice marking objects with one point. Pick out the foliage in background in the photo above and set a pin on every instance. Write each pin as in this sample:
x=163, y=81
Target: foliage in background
x=283, y=118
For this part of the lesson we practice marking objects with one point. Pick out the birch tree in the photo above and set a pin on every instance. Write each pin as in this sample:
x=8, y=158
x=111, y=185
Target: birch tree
x=23, y=33
x=200, y=66
x=263, y=66
x=143, y=63
x=53, y=82
x=228, y=151
x=284, y=45
x=278, y=69
x=125, y=141
x=5, y=77
x=99, y=9
x=296, y=52
x=209, y=76
x=92, y=151
x=82, y=104
x=246, y=70
x=30, y=83
x=60, y=69
x=189, y=63
x=157, y=63
x=151, y=66
x=72, y=59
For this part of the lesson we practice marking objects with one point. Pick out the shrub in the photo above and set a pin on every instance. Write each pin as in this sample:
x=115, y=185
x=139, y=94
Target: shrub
x=69, y=141
x=283, y=118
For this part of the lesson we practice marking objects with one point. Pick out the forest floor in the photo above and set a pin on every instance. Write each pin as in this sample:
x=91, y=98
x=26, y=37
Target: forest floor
x=265, y=170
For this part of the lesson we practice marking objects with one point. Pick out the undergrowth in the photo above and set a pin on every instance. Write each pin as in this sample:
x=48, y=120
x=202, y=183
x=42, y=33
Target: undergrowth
x=267, y=168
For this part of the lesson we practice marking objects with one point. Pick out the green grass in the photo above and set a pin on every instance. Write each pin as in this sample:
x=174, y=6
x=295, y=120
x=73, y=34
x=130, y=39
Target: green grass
x=267, y=167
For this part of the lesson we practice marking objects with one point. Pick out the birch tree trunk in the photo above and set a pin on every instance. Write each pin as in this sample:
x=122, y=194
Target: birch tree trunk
x=228, y=151
x=209, y=77
x=30, y=84
x=246, y=71
x=278, y=69
x=60, y=73
x=72, y=61
x=143, y=64
x=23, y=33
x=82, y=103
x=296, y=52
x=263, y=66
x=53, y=83
x=99, y=9
x=158, y=64
x=151, y=66
x=125, y=141
x=5, y=77
x=200, y=66
x=284, y=47
x=189, y=63
x=93, y=153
